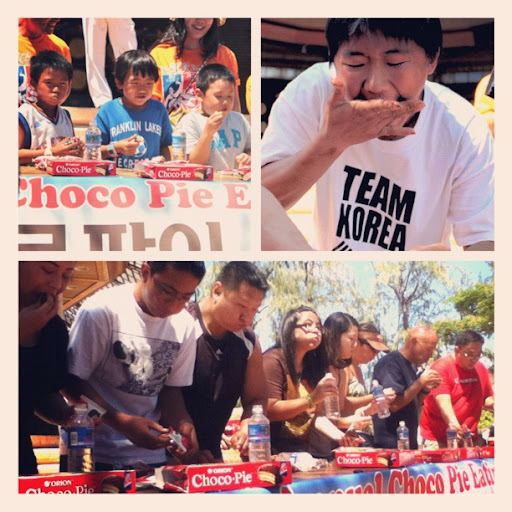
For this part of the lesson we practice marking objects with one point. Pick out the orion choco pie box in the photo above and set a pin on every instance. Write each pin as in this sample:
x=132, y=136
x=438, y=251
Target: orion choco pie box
x=106, y=482
x=79, y=167
x=175, y=171
x=373, y=458
x=439, y=455
x=223, y=477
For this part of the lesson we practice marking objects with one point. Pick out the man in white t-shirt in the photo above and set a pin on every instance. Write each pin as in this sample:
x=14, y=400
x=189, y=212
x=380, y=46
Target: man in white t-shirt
x=131, y=348
x=399, y=163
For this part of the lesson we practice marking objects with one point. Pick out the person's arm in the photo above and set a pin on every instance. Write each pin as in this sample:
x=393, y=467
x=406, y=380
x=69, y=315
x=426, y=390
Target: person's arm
x=345, y=123
x=126, y=146
x=174, y=414
x=201, y=151
x=428, y=379
x=444, y=402
x=139, y=430
x=278, y=232
x=487, y=245
x=254, y=392
x=53, y=409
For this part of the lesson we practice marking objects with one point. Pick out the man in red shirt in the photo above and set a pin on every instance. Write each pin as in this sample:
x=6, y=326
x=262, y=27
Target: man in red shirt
x=35, y=35
x=465, y=390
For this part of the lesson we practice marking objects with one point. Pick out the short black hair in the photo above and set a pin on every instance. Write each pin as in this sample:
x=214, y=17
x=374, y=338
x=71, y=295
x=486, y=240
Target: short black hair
x=139, y=62
x=196, y=268
x=234, y=273
x=466, y=337
x=425, y=32
x=49, y=59
x=212, y=72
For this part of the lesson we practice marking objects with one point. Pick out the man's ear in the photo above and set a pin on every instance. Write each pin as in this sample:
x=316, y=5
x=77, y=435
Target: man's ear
x=433, y=63
x=119, y=84
x=145, y=271
x=217, y=290
x=199, y=94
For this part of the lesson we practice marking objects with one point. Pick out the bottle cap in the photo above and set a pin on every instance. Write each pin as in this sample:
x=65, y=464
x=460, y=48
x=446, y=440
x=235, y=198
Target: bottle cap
x=258, y=408
x=402, y=423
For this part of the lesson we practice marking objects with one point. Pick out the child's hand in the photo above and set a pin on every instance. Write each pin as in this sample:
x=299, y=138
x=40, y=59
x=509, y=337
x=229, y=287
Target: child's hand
x=70, y=146
x=214, y=122
x=129, y=146
x=243, y=159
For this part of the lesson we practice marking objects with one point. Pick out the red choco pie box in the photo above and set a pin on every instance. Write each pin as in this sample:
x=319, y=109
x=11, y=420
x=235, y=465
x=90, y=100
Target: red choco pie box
x=373, y=458
x=79, y=167
x=111, y=482
x=223, y=477
x=175, y=171
x=487, y=452
x=439, y=455
x=471, y=452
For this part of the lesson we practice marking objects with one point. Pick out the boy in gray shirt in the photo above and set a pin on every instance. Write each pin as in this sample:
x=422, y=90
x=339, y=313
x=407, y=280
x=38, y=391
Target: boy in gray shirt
x=217, y=136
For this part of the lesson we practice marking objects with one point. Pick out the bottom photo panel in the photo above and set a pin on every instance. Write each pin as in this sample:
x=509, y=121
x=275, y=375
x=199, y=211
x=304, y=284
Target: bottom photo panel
x=256, y=377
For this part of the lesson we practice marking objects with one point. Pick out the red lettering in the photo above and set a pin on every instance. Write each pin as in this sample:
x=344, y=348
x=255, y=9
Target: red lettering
x=238, y=196
x=72, y=196
x=395, y=481
x=379, y=483
x=37, y=191
x=184, y=200
x=452, y=477
x=123, y=197
x=368, y=489
x=439, y=484
x=159, y=190
x=23, y=186
x=92, y=196
x=420, y=485
x=203, y=198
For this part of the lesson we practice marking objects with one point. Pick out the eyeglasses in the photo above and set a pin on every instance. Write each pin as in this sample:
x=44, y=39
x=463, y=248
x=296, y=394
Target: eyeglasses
x=170, y=293
x=309, y=326
x=472, y=356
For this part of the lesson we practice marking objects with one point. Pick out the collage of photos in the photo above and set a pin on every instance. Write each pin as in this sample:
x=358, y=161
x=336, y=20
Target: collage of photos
x=265, y=358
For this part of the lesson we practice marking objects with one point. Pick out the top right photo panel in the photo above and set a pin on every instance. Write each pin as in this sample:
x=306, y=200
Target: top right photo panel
x=377, y=134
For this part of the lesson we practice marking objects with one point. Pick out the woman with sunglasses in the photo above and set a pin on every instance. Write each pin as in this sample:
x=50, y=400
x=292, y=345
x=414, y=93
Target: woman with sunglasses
x=296, y=388
x=181, y=52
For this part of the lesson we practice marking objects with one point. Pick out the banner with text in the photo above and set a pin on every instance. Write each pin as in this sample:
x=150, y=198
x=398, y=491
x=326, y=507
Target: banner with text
x=475, y=476
x=116, y=214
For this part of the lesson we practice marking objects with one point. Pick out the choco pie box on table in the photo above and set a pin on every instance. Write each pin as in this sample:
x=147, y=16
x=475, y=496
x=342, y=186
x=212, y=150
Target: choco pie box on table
x=177, y=170
x=64, y=166
x=110, y=482
x=223, y=477
x=373, y=458
x=439, y=455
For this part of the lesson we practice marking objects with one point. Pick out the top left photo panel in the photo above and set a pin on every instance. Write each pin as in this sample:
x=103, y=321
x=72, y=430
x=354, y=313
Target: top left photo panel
x=134, y=135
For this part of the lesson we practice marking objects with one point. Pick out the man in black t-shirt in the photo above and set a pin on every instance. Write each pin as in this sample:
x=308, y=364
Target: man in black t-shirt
x=228, y=360
x=398, y=370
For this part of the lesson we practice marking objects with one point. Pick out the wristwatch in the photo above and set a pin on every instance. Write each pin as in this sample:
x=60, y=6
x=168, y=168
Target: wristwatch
x=111, y=150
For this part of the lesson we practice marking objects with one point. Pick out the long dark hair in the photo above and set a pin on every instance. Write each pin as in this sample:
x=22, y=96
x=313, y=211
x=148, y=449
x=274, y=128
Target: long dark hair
x=176, y=33
x=315, y=361
x=335, y=325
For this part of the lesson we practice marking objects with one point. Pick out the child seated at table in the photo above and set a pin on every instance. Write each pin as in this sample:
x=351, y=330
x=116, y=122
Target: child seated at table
x=216, y=135
x=134, y=126
x=44, y=128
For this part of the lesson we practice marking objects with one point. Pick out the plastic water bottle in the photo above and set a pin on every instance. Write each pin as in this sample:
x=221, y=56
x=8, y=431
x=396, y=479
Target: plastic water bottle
x=179, y=145
x=381, y=400
x=80, y=430
x=451, y=437
x=93, y=142
x=467, y=437
x=259, y=435
x=331, y=403
x=402, y=435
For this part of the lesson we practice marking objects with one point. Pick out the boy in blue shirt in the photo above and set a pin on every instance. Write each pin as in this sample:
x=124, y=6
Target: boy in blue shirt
x=134, y=126
x=217, y=136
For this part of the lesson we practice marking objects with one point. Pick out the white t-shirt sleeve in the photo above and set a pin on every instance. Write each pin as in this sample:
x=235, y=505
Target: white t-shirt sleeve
x=88, y=341
x=472, y=203
x=296, y=114
x=192, y=128
x=183, y=368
